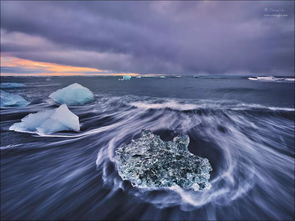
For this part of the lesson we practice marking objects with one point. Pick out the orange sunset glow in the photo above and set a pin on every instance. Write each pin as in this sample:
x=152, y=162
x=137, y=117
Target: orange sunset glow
x=51, y=69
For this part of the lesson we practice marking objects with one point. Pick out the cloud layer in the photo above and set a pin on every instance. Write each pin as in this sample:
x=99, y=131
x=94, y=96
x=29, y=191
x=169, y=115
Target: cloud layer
x=153, y=37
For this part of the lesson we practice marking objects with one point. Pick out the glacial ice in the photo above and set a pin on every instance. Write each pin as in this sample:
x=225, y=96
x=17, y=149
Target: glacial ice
x=150, y=162
x=11, y=85
x=271, y=79
x=49, y=121
x=74, y=94
x=125, y=77
x=12, y=100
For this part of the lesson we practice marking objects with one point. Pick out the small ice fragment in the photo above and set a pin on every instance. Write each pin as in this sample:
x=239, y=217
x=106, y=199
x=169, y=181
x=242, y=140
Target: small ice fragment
x=74, y=94
x=12, y=100
x=49, y=121
x=195, y=187
x=252, y=79
x=149, y=162
x=182, y=142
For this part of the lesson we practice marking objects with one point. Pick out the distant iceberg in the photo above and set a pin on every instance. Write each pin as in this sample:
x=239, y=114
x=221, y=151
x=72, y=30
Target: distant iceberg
x=125, y=77
x=12, y=100
x=49, y=121
x=11, y=85
x=74, y=94
x=271, y=79
x=149, y=162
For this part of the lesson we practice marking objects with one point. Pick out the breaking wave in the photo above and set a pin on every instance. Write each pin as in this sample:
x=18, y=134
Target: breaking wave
x=171, y=105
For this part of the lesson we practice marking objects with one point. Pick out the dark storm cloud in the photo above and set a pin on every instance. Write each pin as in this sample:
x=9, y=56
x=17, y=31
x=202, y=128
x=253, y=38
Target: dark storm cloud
x=153, y=37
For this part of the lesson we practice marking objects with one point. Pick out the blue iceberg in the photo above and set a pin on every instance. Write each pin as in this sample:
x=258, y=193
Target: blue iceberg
x=125, y=77
x=12, y=100
x=49, y=121
x=74, y=94
x=11, y=85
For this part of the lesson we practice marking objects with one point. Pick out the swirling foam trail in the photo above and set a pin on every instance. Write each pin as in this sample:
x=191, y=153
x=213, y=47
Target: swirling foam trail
x=255, y=158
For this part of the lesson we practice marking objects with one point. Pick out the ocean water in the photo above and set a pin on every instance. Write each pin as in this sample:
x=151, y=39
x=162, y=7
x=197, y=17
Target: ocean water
x=244, y=127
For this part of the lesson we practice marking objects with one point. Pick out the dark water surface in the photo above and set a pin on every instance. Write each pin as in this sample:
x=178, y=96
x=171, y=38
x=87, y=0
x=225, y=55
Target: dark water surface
x=245, y=128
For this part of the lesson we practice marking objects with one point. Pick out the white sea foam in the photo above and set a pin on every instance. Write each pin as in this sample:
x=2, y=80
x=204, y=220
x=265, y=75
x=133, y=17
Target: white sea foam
x=175, y=105
x=169, y=104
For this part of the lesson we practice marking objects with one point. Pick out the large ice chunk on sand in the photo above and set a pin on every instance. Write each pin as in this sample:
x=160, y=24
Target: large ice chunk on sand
x=12, y=100
x=74, y=94
x=11, y=85
x=150, y=162
x=49, y=121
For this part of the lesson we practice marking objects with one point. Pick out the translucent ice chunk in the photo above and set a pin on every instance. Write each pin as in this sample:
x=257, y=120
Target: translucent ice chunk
x=271, y=79
x=49, y=121
x=11, y=85
x=125, y=77
x=74, y=94
x=150, y=162
x=12, y=100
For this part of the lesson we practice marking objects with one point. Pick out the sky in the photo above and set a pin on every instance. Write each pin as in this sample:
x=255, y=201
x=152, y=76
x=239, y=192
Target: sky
x=147, y=37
